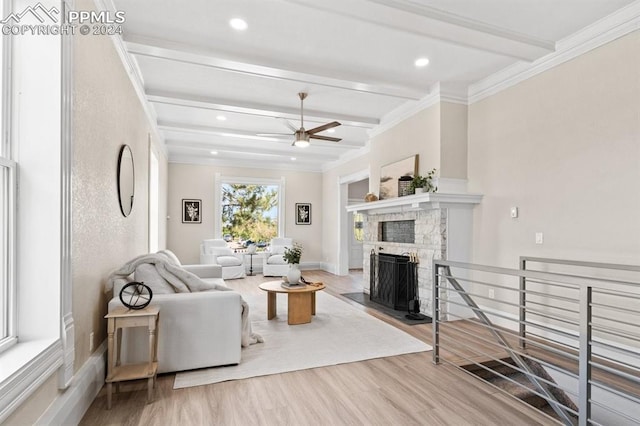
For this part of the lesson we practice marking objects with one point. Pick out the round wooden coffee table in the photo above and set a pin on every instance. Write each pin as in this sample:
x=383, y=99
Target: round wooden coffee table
x=302, y=301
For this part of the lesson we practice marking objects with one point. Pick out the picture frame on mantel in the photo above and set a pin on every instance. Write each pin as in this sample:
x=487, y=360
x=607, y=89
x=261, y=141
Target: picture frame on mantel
x=191, y=211
x=303, y=213
x=391, y=173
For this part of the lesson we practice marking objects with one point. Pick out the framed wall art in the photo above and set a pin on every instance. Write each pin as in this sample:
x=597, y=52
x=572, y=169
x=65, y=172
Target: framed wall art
x=390, y=175
x=303, y=213
x=191, y=211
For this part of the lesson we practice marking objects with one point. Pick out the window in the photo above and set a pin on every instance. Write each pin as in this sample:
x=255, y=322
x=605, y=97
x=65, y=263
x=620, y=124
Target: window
x=7, y=203
x=35, y=310
x=249, y=209
x=7, y=287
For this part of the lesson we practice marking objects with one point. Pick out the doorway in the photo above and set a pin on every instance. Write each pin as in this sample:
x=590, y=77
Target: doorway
x=357, y=191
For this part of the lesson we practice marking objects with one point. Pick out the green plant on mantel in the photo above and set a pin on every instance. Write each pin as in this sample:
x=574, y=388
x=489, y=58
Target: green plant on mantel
x=425, y=182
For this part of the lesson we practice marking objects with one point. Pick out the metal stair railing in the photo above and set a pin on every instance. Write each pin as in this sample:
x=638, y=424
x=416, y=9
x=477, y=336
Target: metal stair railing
x=519, y=361
x=580, y=325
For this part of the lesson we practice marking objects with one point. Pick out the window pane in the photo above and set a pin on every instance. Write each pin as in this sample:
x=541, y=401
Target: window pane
x=4, y=287
x=249, y=212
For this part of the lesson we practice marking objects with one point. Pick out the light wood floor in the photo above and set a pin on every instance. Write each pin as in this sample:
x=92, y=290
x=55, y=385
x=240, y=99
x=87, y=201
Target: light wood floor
x=407, y=389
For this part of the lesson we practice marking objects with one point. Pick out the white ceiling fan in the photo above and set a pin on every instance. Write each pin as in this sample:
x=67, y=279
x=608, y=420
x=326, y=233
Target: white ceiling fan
x=301, y=135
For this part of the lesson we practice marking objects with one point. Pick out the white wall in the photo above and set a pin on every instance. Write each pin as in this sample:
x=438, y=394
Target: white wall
x=198, y=181
x=564, y=147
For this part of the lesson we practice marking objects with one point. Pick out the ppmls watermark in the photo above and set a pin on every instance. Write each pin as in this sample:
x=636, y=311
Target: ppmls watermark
x=40, y=20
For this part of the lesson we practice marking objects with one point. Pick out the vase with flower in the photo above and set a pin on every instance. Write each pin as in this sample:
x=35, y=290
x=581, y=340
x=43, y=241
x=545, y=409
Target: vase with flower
x=292, y=257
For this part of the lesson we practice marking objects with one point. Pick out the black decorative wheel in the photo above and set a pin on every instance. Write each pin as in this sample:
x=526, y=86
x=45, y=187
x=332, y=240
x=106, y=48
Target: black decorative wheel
x=136, y=295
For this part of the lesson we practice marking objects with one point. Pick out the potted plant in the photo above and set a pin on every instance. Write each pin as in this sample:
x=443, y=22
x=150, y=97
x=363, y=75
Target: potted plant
x=421, y=184
x=292, y=257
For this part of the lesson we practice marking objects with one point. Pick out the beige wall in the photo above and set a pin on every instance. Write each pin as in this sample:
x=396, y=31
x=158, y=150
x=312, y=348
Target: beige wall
x=198, y=181
x=106, y=114
x=564, y=147
x=418, y=134
x=453, y=141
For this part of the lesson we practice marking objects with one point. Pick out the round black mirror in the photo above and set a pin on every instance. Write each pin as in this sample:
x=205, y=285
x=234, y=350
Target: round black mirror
x=126, y=180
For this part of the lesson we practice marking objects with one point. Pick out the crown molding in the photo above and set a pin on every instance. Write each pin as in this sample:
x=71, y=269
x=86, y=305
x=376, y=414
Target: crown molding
x=439, y=92
x=618, y=24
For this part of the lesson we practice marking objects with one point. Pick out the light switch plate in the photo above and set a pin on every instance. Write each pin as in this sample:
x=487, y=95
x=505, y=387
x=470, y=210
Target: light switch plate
x=539, y=238
x=514, y=212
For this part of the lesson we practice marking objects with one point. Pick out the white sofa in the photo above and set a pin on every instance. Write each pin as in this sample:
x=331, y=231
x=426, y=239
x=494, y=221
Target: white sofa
x=216, y=252
x=196, y=330
x=273, y=263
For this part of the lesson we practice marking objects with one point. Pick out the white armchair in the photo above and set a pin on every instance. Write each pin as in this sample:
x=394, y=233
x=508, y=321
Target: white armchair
x=196, y=330
x=273, y=263
x=216, y=252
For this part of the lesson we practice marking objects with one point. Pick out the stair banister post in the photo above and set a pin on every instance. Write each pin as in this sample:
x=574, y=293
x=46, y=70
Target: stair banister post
x=435, y=315
x=523, y=301
x=584, y=357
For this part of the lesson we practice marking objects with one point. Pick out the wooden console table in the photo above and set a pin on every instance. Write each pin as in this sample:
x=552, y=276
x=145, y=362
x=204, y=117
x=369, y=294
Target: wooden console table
x=121, y=318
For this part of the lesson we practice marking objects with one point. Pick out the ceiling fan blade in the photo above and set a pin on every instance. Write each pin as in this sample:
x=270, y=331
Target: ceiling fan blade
x=325, y=138
x=273, y=134
x=288, y=124
x=323, y=127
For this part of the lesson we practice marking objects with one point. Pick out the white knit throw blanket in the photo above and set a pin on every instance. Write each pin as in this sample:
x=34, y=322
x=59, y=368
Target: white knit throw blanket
x=183, y=282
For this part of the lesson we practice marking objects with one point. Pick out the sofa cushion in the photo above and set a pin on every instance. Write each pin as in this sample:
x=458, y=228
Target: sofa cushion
x=147, y=274
x=276, y=259
x=228, y=261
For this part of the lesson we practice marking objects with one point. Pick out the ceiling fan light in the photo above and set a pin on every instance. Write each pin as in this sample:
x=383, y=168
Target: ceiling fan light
x=301, y=143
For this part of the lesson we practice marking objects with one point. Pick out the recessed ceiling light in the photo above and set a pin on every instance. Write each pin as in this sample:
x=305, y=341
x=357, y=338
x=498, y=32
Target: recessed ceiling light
x=293, y=158
x=214, y=152
x=421, y=62
x=221, y=118
x=238, y=24
x=331, y=130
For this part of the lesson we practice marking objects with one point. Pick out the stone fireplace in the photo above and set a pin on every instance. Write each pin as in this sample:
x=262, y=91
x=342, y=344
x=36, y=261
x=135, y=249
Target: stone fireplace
x=431, y=226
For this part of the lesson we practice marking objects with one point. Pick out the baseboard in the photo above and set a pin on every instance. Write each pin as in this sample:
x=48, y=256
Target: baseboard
x=309, y=266
x=71, y=404
x=329, y=267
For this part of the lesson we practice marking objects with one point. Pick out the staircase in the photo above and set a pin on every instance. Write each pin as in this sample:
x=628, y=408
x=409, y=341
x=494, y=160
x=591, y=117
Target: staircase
x=504, y=375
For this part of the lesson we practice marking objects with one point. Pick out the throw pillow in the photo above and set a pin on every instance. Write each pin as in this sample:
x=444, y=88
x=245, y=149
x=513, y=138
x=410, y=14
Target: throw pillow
x=277, y=249
x=219, y=251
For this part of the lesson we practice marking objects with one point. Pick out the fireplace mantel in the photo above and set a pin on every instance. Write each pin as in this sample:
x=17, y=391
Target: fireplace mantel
x=426, y=201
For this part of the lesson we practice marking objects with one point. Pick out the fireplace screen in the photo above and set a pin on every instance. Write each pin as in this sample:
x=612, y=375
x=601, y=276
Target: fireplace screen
x=393, y=280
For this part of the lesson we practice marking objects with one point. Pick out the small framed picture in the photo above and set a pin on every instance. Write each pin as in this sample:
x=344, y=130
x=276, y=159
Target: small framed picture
x=303, y=213
x=191, y=211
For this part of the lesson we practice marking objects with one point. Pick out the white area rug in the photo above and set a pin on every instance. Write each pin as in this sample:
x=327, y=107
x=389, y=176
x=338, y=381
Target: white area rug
x=338, y=334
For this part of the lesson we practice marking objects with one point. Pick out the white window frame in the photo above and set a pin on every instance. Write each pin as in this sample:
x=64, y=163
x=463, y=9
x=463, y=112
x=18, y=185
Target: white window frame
x=39, y=135
x=8, y=285
x=243, y=180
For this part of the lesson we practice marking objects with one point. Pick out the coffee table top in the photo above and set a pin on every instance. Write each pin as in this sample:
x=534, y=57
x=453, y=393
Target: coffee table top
x=276, y=287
